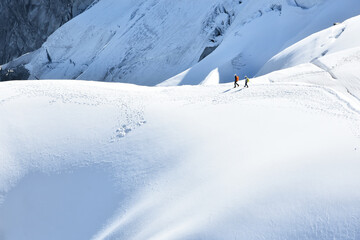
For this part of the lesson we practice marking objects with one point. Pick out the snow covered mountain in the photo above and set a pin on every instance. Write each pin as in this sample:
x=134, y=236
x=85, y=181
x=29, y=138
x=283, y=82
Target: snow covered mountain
x=99, y=160
x=25, y=25
x=149, y=41
x=312, y=49
x=332, y=51
x=87, y=160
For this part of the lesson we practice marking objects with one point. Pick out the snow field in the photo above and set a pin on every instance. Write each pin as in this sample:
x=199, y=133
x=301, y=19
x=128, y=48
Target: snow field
x=201, y=162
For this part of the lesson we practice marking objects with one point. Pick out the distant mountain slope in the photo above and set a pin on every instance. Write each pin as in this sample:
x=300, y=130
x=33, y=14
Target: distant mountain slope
x=25, y=25
x=312, y=49
x=149, y=41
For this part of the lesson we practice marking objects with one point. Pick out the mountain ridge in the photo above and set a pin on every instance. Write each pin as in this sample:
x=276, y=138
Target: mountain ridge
x=149, y=42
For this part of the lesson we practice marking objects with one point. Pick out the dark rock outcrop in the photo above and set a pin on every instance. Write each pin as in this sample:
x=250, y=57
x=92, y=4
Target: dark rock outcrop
x=18, y=73
x=26, y=24
x=207, y=51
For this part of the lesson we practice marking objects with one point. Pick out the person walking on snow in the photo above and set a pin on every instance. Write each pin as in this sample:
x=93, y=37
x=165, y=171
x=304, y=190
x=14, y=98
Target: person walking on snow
x=236, y=81
x=246, y=81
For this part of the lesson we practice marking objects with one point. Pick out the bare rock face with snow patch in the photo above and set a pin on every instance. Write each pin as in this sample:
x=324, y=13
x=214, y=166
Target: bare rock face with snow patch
x=26, y=24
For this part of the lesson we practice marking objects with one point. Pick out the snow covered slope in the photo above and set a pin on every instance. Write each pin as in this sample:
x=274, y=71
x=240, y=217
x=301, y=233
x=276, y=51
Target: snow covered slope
x=340, y=37
x=334, y=52
x=87, y=160
x=148, y=41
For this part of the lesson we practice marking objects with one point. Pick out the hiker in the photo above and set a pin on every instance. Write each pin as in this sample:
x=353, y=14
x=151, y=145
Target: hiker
x=246, y=81
x=236, y=81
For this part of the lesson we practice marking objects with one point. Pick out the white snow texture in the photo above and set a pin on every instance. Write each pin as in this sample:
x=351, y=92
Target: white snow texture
x=100, y=160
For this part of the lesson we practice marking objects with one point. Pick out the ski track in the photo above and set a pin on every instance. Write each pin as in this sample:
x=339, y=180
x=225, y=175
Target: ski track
x=333, y=93
x=310, y=97
x=131, y=108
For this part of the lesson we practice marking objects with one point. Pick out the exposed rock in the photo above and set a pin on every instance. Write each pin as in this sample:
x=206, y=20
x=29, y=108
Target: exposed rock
x=18, y=73
x=207, y=51
x=26, y=24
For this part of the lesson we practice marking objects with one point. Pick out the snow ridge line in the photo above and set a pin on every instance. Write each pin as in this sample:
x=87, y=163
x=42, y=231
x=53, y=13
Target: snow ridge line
x=316, y=62
x=357, y=98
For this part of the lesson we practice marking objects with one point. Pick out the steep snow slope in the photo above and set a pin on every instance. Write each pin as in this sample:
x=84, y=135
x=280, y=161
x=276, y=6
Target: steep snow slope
x=254, y=38
x=311, y=49
x=279, y=160
x=148, y=41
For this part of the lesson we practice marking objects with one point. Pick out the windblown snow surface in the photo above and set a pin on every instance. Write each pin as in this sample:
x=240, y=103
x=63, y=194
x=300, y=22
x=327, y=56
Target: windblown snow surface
x=89, y=160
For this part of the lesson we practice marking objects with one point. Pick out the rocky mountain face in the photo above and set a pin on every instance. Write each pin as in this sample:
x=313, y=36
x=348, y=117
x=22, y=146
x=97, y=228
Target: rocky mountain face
x=26, y=24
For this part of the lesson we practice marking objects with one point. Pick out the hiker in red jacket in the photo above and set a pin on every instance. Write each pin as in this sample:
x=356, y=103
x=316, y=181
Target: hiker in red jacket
x=236, y=81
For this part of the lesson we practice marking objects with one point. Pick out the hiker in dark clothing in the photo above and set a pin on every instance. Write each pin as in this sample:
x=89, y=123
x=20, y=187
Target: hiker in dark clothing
x=246, y=81
x=236, y=81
